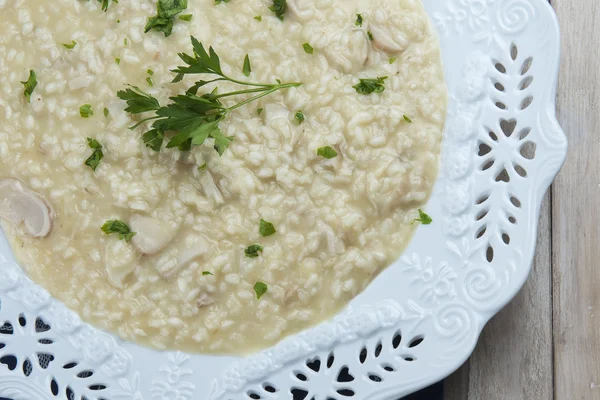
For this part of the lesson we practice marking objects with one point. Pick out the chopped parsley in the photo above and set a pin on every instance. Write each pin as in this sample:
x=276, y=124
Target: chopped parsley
x=166, y=10
x=150, y=72
x=247, y=69
x=260, y=288
x=94, y=160
x=308, y=48
x=186, y=17
x=326, y=152
x=258, y=18
x=221, y=1
x=279, y=7
x=30, y=85
x=71, y=45
x=368, y=86
x=106, y=3
x=106, y=112
x=370, y=35
x=190, y=118
x=202, y=167
x=359, y=20
x=204, y=273
x=266, y=228
x=117, y=61
x=150, y=81
x=86, y=111
x=423, y=218
x=120, y=227
x=407, y=119
x=260, y=110
x=252, y=251
x=299, y=116
x=393, y=59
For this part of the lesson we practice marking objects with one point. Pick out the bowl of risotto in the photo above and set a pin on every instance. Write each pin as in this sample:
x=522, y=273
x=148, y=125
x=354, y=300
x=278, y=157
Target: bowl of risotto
x=264, y=199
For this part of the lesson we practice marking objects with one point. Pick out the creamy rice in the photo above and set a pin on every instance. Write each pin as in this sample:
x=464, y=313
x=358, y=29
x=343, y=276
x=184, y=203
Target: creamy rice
x=339, y=222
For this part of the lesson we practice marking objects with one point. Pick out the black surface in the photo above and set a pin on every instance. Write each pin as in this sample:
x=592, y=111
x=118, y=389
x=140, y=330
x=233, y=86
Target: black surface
x=435, y=392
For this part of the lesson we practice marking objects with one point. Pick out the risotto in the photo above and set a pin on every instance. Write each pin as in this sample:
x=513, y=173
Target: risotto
x=238, y=209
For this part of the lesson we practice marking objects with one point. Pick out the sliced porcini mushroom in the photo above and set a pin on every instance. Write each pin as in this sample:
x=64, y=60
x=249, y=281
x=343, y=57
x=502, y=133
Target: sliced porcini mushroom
x=387, y=41
x=348, y=50
x=19, y=204
x=204, y=300
x=194, y=247
x=152, y=235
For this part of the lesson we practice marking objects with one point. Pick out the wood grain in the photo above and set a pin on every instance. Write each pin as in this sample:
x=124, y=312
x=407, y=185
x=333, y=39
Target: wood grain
x=513, y=359
x=575, y=211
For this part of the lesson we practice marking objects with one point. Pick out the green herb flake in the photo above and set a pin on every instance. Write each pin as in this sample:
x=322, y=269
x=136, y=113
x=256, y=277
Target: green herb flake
x=279, y=7
x=120, y=227
x=106, y=112
x=186, y=17
x=299, y=116
x=393, y=59
x=308, y=48
x=359, y=20
x=202, y=168
x=252, y=251
x=407, y=119
x=260, y=110
x=266, y=228
x=370, y=35
x=71, y=45
x=204, y=273
x=423, y=218
x=166, y=10
x=150, y=72
x=221, y=1
x=260, y=288
x=86, y=111
x=258, y=18
x=247, y=69
x=30, y=85
x=368, y=86
x=125, y=42
x=117, y=61
x=97, y=155
x=327, y=152
x=150, y=81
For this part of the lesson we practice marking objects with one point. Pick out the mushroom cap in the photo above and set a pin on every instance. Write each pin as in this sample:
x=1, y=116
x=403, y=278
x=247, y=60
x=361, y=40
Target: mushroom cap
x=19, y=204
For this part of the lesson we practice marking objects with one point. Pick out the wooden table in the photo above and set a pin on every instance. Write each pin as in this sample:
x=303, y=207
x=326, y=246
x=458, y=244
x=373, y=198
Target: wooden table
x=546, y=344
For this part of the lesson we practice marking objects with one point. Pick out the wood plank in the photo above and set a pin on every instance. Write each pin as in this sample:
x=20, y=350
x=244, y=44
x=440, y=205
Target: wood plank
x=576, y=219
x=513, y=359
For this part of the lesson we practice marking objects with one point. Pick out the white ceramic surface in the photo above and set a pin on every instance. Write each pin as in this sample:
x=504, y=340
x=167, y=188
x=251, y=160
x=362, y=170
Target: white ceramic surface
x=420, y=319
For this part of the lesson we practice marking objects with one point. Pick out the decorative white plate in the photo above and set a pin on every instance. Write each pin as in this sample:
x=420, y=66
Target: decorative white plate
x=420, y=319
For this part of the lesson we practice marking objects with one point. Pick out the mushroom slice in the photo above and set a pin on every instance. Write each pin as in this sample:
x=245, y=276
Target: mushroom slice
x=385, y=40
x=19, y=204
x=204, y=300
x=152, y=235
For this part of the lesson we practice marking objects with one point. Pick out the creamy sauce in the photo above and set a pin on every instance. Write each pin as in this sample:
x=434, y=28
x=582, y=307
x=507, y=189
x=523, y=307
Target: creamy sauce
x=339, y=222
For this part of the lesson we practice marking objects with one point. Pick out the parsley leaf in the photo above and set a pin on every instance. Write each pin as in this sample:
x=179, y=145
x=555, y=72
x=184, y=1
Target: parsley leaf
x=308, y=48
x=299, y=116
x=368, y=86
x=106, y=112
x=186, y=17
x=266, y=228
x=393, y=59
x=85, y=111
x=190, y=117
x=326, y=152
x=166, y=10
x=260, y=110
x=221, y=1
x=423, y=218
x=204, y=273
x=120, y=227
x=407, y=119
x=117, y=61
x=71, y=45
x=252, y=251
x=370, y=36
x=30, y=85
x=359, y=20
x=106, y=3
x=279, y=7
x=94, y=160
x=258, y=18
x=260, y=288
x=247, y=69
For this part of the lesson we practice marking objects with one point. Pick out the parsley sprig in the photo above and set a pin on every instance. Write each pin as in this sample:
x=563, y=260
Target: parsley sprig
x=193, y=118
